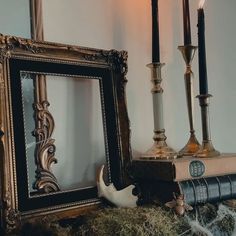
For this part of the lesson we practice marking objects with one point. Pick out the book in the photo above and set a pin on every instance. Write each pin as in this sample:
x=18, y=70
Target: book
x=184, y=168
x=195, y=191
x=212, y=189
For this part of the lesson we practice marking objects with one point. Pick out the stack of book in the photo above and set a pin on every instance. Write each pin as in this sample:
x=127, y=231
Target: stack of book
x=200, y=180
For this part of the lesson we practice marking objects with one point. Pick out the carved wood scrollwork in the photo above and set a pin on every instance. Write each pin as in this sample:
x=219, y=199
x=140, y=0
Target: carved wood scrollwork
x=45, y=148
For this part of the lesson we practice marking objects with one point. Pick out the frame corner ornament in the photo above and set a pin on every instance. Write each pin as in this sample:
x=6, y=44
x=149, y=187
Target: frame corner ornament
x=12, y=215
x=12, y=219
x=12, y=42
x=119, y=62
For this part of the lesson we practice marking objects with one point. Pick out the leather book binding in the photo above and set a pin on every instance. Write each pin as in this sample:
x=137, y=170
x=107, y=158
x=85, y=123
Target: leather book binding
x=213, y=189
x=195, y=191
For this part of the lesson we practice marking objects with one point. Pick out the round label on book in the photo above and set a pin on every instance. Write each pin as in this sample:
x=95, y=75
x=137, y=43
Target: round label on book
x=196, y=168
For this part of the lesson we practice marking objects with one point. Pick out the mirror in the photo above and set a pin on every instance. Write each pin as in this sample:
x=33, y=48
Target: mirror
x=62, y=115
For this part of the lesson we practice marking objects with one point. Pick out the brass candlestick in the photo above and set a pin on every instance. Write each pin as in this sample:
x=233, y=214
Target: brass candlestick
x=207, y=149
x=160, y=149
x=192, y=146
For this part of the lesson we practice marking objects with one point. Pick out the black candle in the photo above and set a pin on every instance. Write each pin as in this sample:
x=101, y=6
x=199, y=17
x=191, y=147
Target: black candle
x=186, y=23
x=155, y=32
x=203, y=85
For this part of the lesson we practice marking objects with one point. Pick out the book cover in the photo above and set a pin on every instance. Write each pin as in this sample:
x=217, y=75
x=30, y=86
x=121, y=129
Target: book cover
x=184, y=168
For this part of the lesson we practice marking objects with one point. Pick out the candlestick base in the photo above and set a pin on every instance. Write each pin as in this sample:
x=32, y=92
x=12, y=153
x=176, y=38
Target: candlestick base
x=191, y=147
x=160, y=149
x=207, y=150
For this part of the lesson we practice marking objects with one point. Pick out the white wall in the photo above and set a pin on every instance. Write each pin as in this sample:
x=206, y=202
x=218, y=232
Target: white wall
x=15, y=18
x=78, y=133
x=127, y=25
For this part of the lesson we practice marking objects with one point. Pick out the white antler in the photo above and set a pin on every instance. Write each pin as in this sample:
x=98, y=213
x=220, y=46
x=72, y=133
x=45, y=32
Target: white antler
x=121, y=198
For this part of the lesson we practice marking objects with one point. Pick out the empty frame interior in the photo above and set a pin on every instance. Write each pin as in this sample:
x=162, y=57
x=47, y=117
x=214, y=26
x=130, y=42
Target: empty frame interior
x=75, y=105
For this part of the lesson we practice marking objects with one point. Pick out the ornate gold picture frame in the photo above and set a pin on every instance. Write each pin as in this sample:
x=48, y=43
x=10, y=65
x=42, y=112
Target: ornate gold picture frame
x=26, y=60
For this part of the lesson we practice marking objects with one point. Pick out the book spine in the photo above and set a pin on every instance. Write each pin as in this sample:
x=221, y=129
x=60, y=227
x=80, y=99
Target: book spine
x=213, y=189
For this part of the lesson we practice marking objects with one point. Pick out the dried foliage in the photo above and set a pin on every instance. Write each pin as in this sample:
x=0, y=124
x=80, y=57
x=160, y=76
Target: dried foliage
x=142, y=221
x=134, y=222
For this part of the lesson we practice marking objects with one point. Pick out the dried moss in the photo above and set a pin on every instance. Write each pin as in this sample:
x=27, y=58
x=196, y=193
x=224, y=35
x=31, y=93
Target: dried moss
x=141, y=221
x=134, y=222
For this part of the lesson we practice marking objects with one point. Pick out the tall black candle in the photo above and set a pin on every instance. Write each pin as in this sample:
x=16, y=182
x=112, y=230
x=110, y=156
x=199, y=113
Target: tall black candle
x=203, y=85
x=155, y=32
x=186, y=23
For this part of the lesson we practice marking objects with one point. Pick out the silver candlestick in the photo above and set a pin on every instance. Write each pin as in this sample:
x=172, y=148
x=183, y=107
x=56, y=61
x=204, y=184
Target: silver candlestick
x=160, y=149
x=207, y=149
x=192, y=146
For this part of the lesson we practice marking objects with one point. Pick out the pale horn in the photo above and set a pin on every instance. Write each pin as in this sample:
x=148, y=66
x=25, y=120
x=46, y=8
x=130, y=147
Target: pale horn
x=120, y=198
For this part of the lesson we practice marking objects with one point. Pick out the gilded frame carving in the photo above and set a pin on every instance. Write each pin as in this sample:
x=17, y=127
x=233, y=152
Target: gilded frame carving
x=17, y=55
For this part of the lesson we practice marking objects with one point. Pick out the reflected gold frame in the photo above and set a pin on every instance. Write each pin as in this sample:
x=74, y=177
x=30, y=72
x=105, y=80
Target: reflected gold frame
x=16, y=206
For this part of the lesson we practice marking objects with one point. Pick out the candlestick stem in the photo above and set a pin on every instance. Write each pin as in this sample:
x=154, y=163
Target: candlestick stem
x=160, y=149
x=192, y=146
x=207, y=149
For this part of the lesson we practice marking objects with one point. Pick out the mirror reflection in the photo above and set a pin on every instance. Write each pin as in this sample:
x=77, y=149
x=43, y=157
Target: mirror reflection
x=77, y=139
